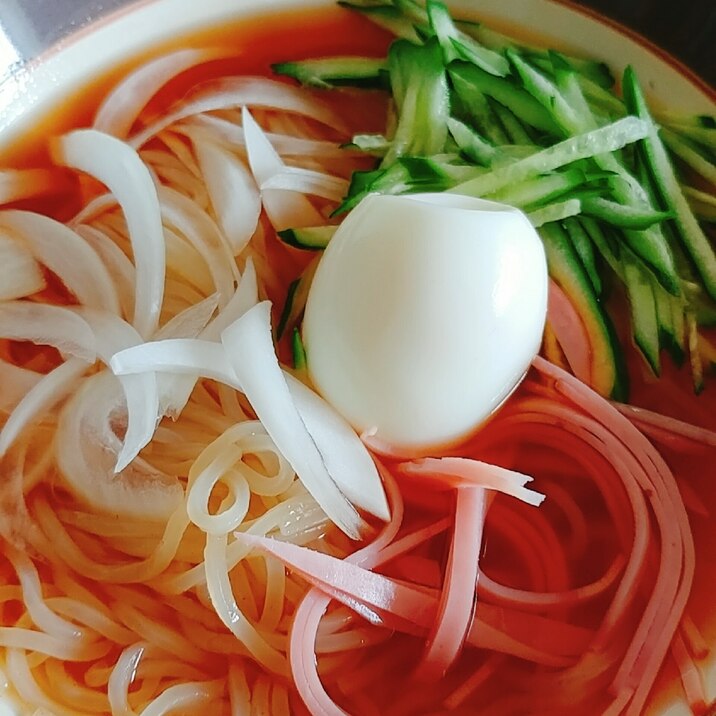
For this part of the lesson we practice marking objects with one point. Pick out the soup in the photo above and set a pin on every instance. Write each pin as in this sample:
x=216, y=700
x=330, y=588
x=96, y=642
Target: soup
x=171, y=552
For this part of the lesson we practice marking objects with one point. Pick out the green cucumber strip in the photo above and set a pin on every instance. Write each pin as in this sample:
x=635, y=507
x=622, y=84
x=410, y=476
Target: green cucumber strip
x=601, y=101
x=477, y=108
x=330, y=72
x=608, y=248
x=554, y=212
x=476, y=148
x=298, y=351
x=689, y=155
x=422, y=96
x=296, y=298
x=507, y=93
x=412, y=10
x=375, y=144
x=645, y=327
x=671, y=330
x=700, y=305
x=609, y=377
x=583, y=247
x=539, y=190
x=287, y=308
x=599, y=141
x=702, y=204
x=512, y=126
x=457, y=44
x=697, y=365
x=386, y=16
x=693, y=239
x=314, y=238
x=622, y=215
x=545, y=92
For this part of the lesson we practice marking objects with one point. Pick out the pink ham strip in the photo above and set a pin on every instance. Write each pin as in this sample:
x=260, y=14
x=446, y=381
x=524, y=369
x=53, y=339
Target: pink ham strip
x=526, y=600
x=457, y=599
x=455, y=472
x=570, y=332
x=663, y=612
x=648, y=418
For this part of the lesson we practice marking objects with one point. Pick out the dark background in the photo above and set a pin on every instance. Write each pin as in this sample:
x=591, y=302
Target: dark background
x=685, y=28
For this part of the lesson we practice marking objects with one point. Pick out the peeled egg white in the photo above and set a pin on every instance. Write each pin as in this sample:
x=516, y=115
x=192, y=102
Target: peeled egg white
x=424, y=315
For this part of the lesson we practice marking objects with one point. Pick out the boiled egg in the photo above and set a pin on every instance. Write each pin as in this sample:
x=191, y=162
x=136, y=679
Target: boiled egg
x=424, y=315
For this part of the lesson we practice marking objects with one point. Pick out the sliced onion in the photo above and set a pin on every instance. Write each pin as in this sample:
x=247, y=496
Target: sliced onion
x=190, y=322
x=221, y=130
x=117, y=263
x=20, y=184
x=251, y=353
x=20, y=274
x=245, y=297
x=285, y=209
x=229, y=92
x=345, y=457
x=42, y=397
x=121, y=107
x=45, y=324
x=232, y=191
x=204, y=235
x=67, y=255
x=119, y=167
x=15, y=382
x=184, y=356
x=141, y=394
x=86, y=449
x=307, y=181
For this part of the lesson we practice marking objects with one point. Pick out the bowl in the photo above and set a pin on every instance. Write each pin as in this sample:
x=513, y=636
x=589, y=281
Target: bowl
x=36, y=89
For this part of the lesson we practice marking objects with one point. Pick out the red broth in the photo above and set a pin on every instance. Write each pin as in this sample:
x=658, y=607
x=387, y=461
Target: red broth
x=379, y=680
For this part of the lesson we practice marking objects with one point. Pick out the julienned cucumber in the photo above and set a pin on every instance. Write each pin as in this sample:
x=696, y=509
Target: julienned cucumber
x=313, y=238
x=692, y=236
x=337, y=71
x=609, y=375
x=478, y=113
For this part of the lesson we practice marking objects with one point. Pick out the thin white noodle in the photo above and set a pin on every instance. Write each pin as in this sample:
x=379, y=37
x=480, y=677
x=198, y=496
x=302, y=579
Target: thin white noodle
x=193, y=697
x=122, y=677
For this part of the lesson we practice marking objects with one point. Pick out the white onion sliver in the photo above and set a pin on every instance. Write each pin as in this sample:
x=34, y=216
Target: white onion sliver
x=251, y=353
x=204, y=235
x=117, y=262
x=45, y=324
x=229, y=92
x=86, y=449
x=15, y=382
x=185, y=356
x=232, y=191
x=49, y=390
x=307, y=181
x=20, y=274
x=121, y=107
x=141, y=393
x=67, y=255
x=346, y=458
x=190, y=322
x=285, y=209
x=119, y=167
x=207, y=126
x=245, y=297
